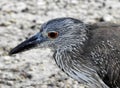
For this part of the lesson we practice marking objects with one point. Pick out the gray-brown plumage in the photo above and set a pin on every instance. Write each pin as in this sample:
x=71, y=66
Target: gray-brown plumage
x=88, y=53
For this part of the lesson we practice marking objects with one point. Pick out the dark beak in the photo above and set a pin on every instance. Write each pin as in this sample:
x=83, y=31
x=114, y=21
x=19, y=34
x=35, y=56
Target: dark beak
x=28, y=44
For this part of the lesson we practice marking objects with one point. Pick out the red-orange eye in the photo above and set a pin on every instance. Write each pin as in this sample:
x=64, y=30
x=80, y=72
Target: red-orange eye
x=53, y=35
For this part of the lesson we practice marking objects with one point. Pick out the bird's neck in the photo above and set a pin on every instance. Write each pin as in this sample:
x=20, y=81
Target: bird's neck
x=73, y=63
x=70, y=56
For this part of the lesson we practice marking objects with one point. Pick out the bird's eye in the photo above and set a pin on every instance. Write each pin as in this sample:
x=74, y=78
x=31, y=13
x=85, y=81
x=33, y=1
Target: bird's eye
x=53, y=34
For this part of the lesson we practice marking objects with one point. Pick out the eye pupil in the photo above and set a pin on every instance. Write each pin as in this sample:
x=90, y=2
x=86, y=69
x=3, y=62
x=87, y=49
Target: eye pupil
x=52, y=34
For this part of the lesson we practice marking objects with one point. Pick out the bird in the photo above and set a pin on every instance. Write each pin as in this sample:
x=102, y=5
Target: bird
x=87, y=52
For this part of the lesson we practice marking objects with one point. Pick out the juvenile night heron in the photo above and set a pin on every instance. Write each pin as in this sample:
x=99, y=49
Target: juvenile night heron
x=88, y=53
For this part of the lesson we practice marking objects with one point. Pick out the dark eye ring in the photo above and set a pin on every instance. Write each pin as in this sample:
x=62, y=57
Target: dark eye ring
x=53, y=34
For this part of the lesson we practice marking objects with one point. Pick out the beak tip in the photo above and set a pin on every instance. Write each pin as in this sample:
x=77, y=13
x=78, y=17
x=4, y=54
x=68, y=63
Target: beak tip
x=11, y=53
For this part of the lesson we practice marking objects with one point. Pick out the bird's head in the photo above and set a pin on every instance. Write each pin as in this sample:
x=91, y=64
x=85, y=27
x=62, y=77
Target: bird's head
x=56, y=33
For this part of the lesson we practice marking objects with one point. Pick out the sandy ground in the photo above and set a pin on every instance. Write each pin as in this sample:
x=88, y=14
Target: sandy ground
x=19, y=19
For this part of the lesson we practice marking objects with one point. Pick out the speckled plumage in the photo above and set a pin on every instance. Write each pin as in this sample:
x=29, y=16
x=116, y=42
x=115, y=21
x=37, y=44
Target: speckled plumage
x=104, y=50
x=88, y=53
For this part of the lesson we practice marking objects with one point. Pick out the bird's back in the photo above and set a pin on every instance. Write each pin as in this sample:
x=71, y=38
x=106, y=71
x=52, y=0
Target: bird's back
x=103, y=48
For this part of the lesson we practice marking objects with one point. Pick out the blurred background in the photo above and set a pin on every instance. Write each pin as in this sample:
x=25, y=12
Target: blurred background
x=19, y=19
